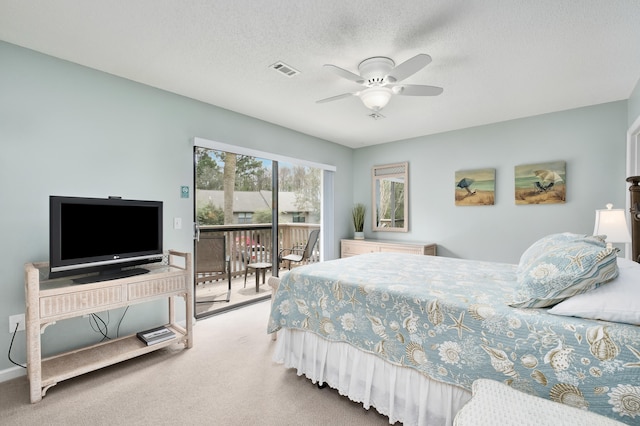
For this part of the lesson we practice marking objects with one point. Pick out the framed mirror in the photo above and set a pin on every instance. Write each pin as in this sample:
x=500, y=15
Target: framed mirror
x=390, y=197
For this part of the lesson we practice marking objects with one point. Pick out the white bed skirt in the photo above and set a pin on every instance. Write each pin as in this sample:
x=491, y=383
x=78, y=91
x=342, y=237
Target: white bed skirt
x=402, y=394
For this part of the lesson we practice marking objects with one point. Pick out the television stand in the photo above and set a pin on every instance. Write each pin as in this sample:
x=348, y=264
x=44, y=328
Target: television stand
x=109, y=275
x=52, y=300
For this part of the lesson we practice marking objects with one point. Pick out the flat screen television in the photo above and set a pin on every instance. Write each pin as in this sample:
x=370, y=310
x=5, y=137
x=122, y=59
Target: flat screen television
x=105, y=235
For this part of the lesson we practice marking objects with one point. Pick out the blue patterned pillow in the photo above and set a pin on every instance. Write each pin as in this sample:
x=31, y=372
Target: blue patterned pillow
x=546, y=243
x=564, y=269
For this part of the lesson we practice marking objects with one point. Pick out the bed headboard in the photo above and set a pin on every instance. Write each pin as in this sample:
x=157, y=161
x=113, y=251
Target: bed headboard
x=634, y=194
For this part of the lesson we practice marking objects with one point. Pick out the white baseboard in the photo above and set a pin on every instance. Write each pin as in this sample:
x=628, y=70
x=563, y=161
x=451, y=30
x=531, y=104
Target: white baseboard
x=12, y=373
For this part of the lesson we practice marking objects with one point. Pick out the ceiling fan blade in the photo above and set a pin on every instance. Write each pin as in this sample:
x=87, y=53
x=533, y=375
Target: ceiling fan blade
x=416, y=90
x=335, y=98
x=408, y=67
x=345, y=74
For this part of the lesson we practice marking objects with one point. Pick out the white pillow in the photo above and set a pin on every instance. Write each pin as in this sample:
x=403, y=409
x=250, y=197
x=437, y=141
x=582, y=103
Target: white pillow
x=617, y=301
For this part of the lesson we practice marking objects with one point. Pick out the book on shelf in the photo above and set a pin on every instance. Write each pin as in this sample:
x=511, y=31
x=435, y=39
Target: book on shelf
x=155, y=335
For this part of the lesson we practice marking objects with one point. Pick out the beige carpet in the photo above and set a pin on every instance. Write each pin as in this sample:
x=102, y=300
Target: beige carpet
x=227, y=378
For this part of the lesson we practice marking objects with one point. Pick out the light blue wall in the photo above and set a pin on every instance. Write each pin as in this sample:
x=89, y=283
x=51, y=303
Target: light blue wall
x=591, y=140
x=634, y=104
x=70, y=130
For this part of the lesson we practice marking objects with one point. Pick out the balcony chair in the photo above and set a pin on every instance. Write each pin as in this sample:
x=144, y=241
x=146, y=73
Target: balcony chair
x=299, y=254
x=212, y=262
x=256, y=258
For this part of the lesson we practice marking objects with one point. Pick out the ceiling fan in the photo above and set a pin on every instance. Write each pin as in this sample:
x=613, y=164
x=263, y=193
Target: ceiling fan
x=379, y=76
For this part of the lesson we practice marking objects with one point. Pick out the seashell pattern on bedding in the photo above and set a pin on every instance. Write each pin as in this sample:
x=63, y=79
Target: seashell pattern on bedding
x=449, y=319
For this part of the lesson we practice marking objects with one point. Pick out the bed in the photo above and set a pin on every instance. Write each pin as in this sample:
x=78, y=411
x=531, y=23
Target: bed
x=409, y=334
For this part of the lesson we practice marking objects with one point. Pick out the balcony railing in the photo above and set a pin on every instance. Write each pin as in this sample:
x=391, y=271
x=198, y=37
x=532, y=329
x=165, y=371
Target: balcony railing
x=253, y=243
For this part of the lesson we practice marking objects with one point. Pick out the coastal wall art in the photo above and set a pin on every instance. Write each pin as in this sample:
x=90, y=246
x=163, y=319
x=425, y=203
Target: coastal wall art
x=541, y=183
x=475, y=187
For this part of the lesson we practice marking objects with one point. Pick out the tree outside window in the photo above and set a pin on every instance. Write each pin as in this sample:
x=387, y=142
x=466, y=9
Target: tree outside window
x=224, y=176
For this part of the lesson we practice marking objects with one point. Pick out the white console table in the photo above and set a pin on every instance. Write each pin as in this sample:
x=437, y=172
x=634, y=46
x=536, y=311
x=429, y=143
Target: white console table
x=53, y=300
x=354, y=247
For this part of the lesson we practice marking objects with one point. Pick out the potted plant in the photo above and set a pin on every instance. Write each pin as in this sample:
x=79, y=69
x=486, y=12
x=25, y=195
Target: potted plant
x=357, y=215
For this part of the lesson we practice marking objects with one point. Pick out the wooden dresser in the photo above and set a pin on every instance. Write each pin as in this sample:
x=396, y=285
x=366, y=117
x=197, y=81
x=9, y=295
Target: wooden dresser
x=354, y=247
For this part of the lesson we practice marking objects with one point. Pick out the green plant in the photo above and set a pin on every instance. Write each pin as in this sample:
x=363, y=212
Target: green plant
x=357, y=214
x=210, y=215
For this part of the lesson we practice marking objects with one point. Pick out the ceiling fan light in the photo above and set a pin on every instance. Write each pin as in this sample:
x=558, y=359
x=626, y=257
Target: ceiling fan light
x=376, y=98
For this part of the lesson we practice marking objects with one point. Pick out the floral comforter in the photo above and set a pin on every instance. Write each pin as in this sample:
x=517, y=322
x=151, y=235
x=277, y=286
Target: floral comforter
x=448, y=319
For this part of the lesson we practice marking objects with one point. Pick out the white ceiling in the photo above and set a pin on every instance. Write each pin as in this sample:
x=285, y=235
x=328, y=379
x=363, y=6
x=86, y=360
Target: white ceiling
x=496, y=59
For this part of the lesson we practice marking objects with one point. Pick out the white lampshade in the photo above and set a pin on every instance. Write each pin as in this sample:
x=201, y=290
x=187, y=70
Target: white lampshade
x=376, y=98
x=613, y=224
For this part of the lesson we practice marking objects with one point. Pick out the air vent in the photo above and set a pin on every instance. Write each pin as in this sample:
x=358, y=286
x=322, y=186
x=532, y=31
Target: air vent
x=285, y=69
x=376, y=116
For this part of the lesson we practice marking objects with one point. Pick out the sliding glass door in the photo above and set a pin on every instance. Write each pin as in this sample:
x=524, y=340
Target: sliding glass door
x=249, y=211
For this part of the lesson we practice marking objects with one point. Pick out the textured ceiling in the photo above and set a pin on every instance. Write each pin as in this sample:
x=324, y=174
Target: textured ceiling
x=496, y=59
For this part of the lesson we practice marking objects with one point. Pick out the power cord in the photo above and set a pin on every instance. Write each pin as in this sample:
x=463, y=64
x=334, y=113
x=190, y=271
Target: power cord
x=98, y=328
x=94, y=319
x=120, y=322
x=11, y=346
x=99, y=325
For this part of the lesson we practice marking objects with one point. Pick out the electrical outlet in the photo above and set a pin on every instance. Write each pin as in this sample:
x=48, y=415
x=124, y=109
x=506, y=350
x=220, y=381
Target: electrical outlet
x=16, y=320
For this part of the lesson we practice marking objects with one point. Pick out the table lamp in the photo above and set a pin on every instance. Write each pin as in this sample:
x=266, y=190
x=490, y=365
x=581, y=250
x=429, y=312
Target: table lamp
x=612, y=223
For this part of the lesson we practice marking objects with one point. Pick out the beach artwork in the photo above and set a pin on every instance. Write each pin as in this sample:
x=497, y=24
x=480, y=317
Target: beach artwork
x=542, y=183
x=475, y=187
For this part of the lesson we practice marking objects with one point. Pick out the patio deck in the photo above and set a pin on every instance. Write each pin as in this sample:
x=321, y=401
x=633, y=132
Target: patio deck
x=240, y=295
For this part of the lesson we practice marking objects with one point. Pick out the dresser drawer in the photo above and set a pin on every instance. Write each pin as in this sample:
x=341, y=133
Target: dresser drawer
x=355, y=247
x=61, y=304
x=156, y=287
x=400, y=249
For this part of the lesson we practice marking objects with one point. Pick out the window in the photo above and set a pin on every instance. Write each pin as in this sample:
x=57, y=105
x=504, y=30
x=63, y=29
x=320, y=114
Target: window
x=245, y=217
x=298, y=217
